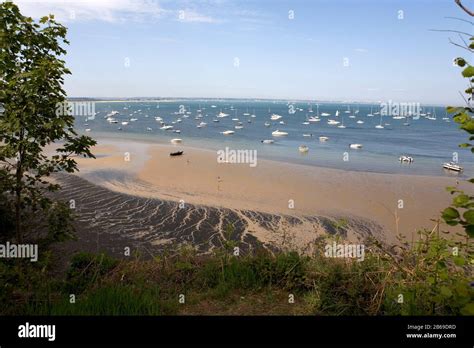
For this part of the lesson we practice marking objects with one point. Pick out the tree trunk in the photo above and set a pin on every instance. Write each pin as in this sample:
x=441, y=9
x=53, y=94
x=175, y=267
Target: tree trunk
x=19, y=236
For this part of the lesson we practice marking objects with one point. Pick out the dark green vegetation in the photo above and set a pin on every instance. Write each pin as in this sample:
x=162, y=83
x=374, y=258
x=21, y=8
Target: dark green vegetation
x=34, y=114
x=431, y=276
x=461, y=211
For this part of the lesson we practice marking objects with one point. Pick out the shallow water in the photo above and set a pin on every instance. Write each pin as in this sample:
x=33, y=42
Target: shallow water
x=430, y=142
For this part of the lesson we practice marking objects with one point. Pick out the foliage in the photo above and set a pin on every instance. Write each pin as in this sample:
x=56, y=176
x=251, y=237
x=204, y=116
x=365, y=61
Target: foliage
x=461, y=211
x=433, y=278
x=31, y=89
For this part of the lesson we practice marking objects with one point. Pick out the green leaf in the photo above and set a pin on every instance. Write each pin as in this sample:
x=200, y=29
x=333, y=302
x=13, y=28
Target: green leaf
x=469, y=230
x=468, y=72
x=460, y=62
x=469, y=217
x=450, y=214
x=460, y=200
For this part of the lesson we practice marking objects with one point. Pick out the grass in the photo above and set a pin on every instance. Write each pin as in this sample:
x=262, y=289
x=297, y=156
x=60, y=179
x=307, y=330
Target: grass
x=430, y=278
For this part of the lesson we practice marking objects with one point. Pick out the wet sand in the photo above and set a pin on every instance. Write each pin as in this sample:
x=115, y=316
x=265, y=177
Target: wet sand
x=310, y=200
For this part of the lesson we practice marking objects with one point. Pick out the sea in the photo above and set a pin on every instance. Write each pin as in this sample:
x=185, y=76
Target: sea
x=429, y=135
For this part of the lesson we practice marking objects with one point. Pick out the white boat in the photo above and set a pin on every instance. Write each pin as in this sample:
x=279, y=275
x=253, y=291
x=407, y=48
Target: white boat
x=303, y=148
x=158, y=118
x=148, y=129
x=313, y=119
x=215, y=120
x=203, y=124
x=228, y=132
x=235, y=119
x=405, y=158
x=307, y=135
x=176, y=131
x=282, y=122
x=453, y=166
x=88, y=129
x=371, y=114
x=305, y=123
x=124, y=123
x=166, y=127
x=213, y=106
x=325, y=114
x=268, y=141
x=360, y=122
x=355, y=146
x=239, y=127
x=342, y=124
x=267, y=124
x=133, y=119
x=176, y=141
x=323, y=138
x=278, y=133
x=275, y=117
x=222, y=114
x=337, y=113
x=352, y=116
x=333, y=122
x=379, y=126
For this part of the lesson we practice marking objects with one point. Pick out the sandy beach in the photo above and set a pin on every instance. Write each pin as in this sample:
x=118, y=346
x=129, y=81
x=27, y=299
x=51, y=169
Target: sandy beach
x=394, y=203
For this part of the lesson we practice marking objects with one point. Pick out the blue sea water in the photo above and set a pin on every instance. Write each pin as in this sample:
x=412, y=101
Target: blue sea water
x=429, y=142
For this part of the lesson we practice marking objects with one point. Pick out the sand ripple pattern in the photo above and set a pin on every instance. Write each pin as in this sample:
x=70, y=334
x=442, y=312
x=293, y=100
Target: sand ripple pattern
x=111, y=220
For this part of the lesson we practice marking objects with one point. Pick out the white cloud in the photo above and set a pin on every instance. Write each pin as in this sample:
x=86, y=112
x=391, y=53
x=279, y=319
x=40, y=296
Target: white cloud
x=85, y=10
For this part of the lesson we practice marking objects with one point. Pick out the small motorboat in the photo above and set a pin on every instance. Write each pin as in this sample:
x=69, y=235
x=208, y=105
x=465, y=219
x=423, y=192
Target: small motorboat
x=124, y=123
x=228, y=132
x=303, y=148
x=407, y=159
x=307, y=135
x=278, y=133
x=176, y=141
x=177, y=153
x=268, y=141
x=275, y=117
x=355, y=146
x=323, y=138
x=149, y=129
x=453, y=166
x=239, y=127
x=166, y=127
x=267, y=124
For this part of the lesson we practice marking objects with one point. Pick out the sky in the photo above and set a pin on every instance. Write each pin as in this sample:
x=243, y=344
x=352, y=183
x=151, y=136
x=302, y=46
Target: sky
x=346, y=50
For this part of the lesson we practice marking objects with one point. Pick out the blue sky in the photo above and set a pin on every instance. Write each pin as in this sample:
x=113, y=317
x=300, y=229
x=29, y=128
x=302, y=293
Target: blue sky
x=252, y=49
